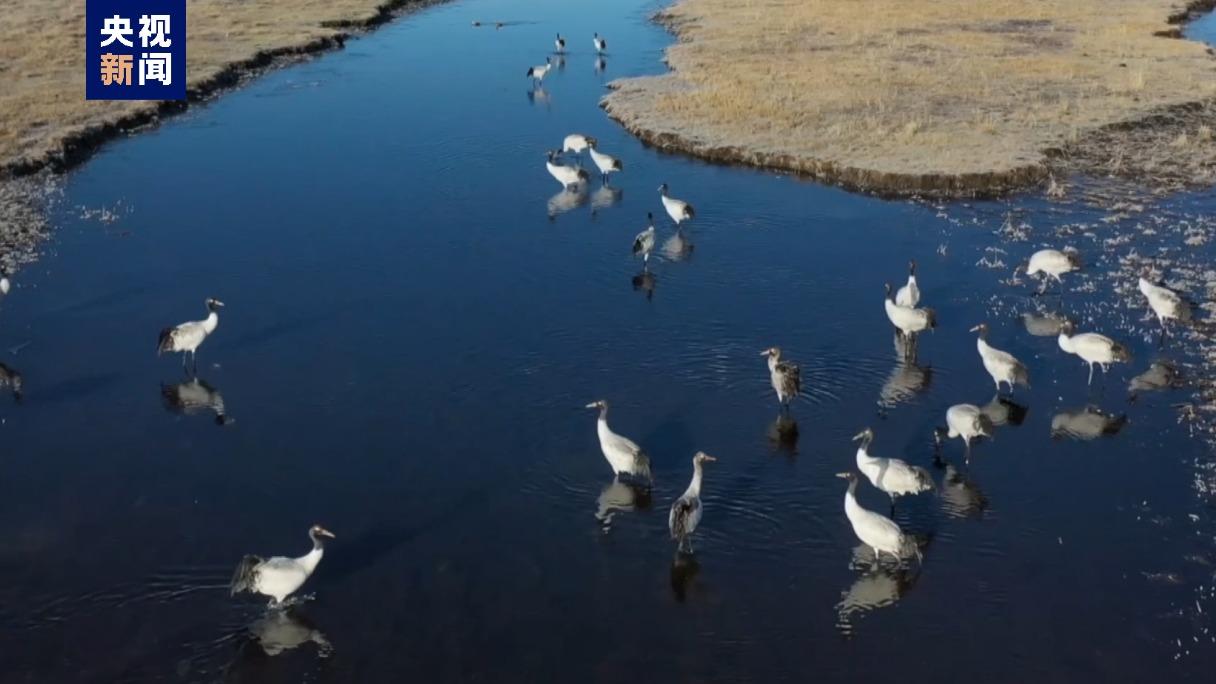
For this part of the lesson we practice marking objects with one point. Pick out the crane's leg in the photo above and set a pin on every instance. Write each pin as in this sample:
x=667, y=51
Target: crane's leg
x=892, y=506
x=967, y=450
x=1091, y=373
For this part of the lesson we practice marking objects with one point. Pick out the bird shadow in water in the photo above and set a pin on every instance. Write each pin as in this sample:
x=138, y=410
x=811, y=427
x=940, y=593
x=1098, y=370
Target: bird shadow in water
x=906, y=381
x=783, y=434
x=12, y=381
x=644, y=282
x=1086, y=423
x=601, y=65
x=1161, y=375
x=540, y=97
x=569, y=199
x=195, y=397
x=605, y=196
x=272, y=634
x=1004, y=411
x=620, y=497
x=684, y=569
x=878, y=587
x=678, y=247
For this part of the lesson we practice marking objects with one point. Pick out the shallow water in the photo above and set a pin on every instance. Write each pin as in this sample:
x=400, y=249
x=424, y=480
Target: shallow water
x=413, y=327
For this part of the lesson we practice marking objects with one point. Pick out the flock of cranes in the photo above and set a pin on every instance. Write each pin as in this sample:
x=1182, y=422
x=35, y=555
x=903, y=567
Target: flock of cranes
x=279, y=577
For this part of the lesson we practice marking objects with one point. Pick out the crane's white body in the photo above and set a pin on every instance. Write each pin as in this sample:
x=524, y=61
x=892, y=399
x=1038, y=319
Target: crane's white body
x=537, y=73
x=623, y=455
x=678, y=210
x=1165, y=303
x=875, y=530
x=909, y=321
x=575, y=142
x=605, y=163
x=968, y=422
x=568, y=176
x=891, y=475
x=1001, y=365
x=559, y=43
x=1093, y=349
x=1051, y=263
x=279, y=576
x=5, y=285
x=909, y=294
x=600, y=44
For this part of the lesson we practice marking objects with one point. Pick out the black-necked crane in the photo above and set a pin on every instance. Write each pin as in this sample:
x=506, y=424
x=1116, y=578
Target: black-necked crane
x=559, y=44
x=1051, y=263
x=909, y=294
x=568, y=176
x=537, y=73
x=644, y=242
x=607, y=164
x=186, y=338
x=1166, y=304
x=601, y=45
x=678, y=210
x=279, y=577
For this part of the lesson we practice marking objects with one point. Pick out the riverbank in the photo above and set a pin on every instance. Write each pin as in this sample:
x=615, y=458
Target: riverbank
x=928, y=98
x=45, y=122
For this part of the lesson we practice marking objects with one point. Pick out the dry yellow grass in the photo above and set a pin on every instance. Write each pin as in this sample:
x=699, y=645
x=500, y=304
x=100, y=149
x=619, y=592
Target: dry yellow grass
x=42, y=60
x=945, y=96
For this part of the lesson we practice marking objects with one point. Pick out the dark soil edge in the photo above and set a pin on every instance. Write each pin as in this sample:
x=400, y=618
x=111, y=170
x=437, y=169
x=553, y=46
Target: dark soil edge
x=78, y=147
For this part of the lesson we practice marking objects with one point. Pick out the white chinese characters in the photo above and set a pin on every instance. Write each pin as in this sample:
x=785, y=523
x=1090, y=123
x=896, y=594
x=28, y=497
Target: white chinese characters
x=154, y=31
x=156, y=66
x=116, y=27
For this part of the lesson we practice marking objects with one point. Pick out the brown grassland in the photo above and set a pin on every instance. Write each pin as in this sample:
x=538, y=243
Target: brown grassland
x=946, y=97
x=44, y=118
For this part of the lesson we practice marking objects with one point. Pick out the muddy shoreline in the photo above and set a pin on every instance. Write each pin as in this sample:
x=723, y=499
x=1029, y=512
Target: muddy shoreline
x=1129, y=148
x=78, y=147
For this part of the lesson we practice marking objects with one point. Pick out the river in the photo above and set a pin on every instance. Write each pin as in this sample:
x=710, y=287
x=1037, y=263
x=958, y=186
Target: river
x=414, y=323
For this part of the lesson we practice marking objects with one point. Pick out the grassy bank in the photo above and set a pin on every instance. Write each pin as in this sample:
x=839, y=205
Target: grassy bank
x=940, y=97
x=44, y=118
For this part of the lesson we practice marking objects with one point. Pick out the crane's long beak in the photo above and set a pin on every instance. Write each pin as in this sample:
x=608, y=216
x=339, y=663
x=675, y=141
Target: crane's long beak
x=594, y=404
x=859, y=435
x=843, y=476
x=707, y=457
x=326, y=533
x=975, y=329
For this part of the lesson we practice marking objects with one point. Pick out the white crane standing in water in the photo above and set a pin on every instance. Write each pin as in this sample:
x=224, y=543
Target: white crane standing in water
x=686, y=512
x=1165, y=303
x=890, y=475
x=577, y=142
x=607, y=164
x=279, y=577
x=560, y=44
x=5, y=285
x=644, y=242
x=1001, y=365
x=623, y=455
x=568, y=176
x=908, y=321
x=601, y=45
x=909, y=294
x=785, y=377
x=1051, y=263
x=966, y=421
x=875, y=530
x=1092, y=348
x=186, y=338
x=537, y=73
x=678, y=210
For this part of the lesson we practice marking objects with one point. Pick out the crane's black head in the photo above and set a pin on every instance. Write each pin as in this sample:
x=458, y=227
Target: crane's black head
x=1068, y=328
x=888, y=288
x=912, y=267
x=650, y=217
x=214, y=304
x=663, y=189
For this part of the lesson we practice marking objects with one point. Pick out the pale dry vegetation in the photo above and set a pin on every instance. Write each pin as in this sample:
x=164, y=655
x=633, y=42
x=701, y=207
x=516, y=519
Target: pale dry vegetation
x=42, y=60
x=946, y=96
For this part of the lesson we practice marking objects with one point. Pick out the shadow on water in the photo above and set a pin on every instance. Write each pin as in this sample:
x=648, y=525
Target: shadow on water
x=12, y=380
x=1086, y=423
x=194, y=397
x=880, y=586
x=645, y=282
x=620, y=497
x=783, y=434
x=684, y=570
x=567, y=200
x=605, y=196
x=274, y=634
